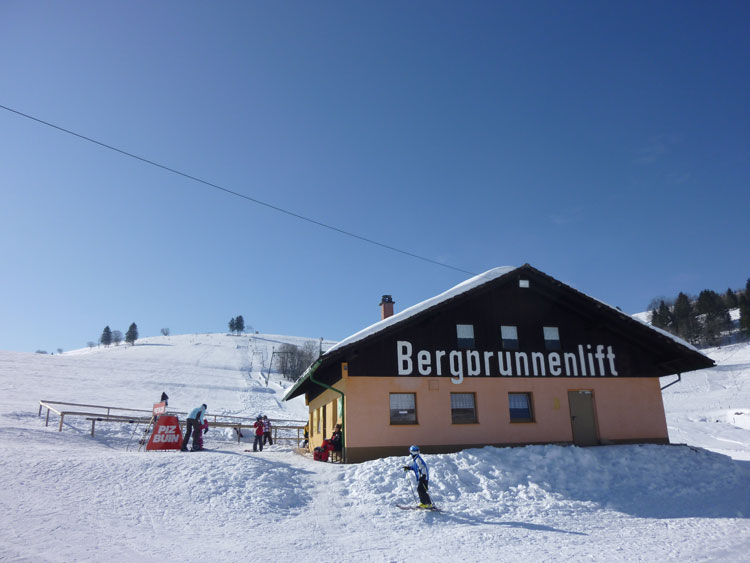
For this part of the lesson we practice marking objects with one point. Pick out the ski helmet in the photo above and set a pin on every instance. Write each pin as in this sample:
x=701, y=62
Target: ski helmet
x=414, y=450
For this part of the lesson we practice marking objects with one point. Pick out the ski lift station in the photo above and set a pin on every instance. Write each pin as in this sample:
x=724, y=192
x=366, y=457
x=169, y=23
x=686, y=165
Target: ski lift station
x=509, y=357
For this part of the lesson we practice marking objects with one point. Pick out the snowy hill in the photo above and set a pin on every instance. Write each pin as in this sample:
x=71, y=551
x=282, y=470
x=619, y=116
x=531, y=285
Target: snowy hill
x=65, y=496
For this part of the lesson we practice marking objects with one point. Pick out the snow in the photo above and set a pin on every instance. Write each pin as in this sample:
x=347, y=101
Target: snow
x=65, y=496
x=455, y=291
x=476, y=281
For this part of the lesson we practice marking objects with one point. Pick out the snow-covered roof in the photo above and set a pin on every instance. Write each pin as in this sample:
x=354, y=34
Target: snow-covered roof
x=463, y=287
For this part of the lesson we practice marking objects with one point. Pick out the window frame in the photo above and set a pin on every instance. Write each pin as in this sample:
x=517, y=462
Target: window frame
x=474, y=416
x=463, y=343
x=395, y=421
x=515, y=419
x=509, y=343
x=551, y=345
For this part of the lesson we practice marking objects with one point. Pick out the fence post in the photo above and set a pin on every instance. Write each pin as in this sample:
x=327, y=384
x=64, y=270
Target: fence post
x=62, y=416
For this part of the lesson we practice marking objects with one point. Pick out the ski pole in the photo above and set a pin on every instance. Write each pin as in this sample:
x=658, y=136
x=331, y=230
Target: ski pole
x=411, y=488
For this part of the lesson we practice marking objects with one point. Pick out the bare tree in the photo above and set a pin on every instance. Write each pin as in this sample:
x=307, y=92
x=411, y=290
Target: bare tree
x=293, y=360
x=165, y=332
x=90, y=344
x=116, y=337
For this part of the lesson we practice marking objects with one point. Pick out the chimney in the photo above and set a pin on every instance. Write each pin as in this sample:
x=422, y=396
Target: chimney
x=386, y=307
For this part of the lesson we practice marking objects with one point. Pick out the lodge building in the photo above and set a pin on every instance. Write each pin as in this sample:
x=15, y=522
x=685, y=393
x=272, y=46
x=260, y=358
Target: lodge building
x=509, y=357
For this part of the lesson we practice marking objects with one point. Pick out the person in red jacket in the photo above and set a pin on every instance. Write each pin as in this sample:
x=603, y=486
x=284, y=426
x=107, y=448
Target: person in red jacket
x=258, y=443
x=203, y=430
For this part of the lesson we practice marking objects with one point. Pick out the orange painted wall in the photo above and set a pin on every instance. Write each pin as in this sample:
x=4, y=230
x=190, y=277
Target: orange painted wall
x=625, y=409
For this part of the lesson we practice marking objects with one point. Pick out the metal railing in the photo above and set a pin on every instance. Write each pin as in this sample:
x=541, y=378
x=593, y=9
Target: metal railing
x=282, y=430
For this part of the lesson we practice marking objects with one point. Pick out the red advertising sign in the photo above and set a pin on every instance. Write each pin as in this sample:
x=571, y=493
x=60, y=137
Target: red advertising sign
x=160, y=408
x=167, y=434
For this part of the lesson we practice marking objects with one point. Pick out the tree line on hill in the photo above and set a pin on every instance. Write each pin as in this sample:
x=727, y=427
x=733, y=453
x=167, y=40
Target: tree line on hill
x=110, y=336
x=703, y=321
x=237, y=324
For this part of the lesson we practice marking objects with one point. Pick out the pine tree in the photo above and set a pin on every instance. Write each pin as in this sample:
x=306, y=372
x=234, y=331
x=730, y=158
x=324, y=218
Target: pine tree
x=666, y=317
x=715, y=316
x=233, y=325
x=239, y=324
x=655, y=318
x=744, y=303
x=132, y=334
x=106, y=337
x=730, y=299
x=684, y=319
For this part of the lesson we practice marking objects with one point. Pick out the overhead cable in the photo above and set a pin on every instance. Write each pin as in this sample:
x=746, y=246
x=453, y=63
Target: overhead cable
x=231, y=192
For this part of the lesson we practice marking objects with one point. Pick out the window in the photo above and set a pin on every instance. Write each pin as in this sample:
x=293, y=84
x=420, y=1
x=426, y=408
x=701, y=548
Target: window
x=520, y=407
x=463, y=410
x=551, y=338
x=509, y=335
x=465, y=335
x=403, y=408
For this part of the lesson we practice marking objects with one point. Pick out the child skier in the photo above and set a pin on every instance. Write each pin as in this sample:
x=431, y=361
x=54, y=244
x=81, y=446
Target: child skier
x=203, y=430
x=422, y=474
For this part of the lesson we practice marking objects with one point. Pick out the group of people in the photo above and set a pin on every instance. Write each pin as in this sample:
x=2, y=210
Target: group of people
x=262, y=433
x=197, y=425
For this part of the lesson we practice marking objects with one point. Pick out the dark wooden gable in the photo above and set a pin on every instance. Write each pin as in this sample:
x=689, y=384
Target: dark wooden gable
x=585, y=326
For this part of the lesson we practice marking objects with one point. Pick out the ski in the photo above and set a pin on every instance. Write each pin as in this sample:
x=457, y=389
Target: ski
x=412, y=507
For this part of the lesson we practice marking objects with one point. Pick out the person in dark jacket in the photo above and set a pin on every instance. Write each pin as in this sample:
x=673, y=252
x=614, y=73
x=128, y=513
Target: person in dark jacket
x=258, y=443
x=336, y=438
x=194, y=422
x=267, y=431
x=422, y=475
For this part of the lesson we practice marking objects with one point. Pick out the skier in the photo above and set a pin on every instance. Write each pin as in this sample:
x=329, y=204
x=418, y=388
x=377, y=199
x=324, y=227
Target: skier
x=267, y=431
x=203, y=430
x=194, y=421
x=258, y=443
x=422, y=475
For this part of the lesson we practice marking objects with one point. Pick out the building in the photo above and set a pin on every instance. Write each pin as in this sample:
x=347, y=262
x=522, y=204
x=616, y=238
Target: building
x=509, y=357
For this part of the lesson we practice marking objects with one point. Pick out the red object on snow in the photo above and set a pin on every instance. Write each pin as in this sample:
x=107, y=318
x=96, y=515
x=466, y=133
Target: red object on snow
x=160, y=408
x=167, y=434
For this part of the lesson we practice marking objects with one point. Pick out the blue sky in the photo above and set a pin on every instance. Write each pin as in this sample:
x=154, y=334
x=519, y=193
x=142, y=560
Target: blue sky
x=606, y=144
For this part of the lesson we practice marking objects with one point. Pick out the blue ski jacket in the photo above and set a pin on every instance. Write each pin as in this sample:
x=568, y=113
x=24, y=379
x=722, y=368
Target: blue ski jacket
x=420, y=468
x=197, y=413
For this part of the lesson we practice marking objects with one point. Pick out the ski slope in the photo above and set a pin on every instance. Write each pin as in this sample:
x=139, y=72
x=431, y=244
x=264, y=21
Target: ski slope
x=65, y=496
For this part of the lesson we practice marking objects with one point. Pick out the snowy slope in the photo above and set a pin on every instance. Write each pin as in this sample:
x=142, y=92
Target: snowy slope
x=69, y=497
x=711, y=408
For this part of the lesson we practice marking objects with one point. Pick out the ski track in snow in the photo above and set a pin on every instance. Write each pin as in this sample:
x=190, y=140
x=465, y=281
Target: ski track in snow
x=65, y=496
